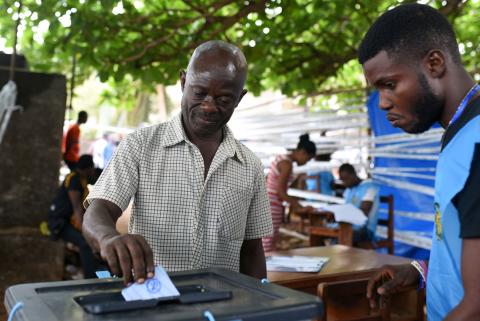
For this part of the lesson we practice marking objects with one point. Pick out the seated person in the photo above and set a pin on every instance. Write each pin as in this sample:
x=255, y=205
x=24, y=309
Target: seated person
x=364, y=195
x=66, y=212
x=327, y=181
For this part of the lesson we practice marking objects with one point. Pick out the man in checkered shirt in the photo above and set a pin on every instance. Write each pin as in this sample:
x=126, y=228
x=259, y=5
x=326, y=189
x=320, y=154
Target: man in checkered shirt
x=199, y=197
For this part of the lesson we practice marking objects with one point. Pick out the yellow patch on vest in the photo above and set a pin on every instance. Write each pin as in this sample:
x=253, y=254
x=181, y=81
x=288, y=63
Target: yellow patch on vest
x=438, y=222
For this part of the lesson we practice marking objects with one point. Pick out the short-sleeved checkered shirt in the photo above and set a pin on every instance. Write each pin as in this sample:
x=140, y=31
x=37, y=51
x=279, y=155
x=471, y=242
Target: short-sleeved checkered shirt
x=190, y=222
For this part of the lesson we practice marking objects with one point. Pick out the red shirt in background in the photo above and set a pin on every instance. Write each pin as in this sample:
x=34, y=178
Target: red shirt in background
x=71, y=147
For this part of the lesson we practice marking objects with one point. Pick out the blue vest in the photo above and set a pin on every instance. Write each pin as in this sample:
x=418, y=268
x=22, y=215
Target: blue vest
x=444, y=284
x=354, y=196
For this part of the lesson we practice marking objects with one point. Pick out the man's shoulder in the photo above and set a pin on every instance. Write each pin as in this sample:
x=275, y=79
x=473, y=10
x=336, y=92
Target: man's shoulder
x=149, y=134
x=466, y=128
x=69, y=178
x=74, y=128
x=326, y=174
x=72, y=181
x=152, y=129
x=368, y=183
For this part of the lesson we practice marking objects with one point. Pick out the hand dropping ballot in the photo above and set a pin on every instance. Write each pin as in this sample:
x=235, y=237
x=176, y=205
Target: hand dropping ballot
x=159, y=286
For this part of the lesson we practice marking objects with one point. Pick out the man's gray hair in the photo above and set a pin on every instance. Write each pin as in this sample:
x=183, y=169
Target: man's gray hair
x=239, y=59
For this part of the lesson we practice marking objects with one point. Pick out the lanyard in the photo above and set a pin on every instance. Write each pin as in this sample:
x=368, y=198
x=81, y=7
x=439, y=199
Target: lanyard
x=463, y=104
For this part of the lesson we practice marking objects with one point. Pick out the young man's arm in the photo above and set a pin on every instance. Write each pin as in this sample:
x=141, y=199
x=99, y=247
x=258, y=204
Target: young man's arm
x=468, y=308
x=366, y=207
x=367, y=201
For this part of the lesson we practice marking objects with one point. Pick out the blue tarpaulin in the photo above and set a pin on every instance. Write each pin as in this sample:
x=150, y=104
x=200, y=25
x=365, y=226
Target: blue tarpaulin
x=404, y=165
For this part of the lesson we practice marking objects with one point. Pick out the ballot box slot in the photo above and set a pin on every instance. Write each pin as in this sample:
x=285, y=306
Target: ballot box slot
x=108, y=302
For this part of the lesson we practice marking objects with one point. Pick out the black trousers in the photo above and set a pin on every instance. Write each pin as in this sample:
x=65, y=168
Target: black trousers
x=71, y=234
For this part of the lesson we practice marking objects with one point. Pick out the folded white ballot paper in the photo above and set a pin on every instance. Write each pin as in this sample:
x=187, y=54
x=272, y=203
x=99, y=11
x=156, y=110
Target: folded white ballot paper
x=295, y=263
x=159, y=286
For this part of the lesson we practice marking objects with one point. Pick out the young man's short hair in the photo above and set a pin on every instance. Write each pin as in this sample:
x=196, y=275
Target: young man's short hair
x=82, y=114
x=409, y=31
x=347, y=168
x=85, y=161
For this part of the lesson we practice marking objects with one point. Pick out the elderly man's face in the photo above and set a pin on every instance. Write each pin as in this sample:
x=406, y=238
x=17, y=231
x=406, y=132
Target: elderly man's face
x=211, y=92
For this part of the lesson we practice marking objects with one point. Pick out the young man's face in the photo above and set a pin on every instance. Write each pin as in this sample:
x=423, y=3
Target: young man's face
x=82, y=119
x=348, y=179
x=405, y=93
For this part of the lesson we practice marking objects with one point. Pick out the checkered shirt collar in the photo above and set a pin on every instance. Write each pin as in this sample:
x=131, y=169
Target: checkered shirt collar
x=175, y=134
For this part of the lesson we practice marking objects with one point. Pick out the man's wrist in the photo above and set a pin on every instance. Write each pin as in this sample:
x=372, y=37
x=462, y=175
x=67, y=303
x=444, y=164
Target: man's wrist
x=107, y=235
x=422, y=269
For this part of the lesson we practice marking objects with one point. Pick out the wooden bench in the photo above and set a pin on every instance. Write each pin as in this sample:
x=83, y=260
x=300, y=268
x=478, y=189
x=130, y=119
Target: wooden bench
x=347, y=301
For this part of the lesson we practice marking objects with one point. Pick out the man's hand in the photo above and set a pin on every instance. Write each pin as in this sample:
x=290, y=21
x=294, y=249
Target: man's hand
x=391, y=279
x=123, y=253
x=128, y=252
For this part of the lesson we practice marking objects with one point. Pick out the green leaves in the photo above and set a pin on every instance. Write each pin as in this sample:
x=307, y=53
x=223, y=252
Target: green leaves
x=300, y=47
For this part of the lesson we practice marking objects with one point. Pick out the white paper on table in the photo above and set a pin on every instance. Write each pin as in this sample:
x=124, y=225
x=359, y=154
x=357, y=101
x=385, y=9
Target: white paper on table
x=314, y=196
x=314, y=204
x=347, y=213
x=342, y=212
x=295, y=263
x=159, y=286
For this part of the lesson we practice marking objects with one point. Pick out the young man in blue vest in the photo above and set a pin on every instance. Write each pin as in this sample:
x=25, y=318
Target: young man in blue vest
x=410, y=55
x=363, y=195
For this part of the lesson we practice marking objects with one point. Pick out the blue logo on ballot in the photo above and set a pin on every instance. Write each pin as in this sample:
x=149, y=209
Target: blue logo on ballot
x=153, y=285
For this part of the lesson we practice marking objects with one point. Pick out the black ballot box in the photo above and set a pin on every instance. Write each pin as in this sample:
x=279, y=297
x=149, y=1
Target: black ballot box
x=211, y=294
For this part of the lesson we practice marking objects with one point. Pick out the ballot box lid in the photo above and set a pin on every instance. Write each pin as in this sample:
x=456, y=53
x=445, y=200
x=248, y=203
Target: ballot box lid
x=250, y=300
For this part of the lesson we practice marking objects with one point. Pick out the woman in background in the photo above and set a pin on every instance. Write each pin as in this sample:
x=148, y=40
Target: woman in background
x=279, y=178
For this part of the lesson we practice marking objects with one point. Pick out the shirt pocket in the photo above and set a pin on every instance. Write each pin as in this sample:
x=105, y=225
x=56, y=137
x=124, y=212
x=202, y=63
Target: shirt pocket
x=234, y=213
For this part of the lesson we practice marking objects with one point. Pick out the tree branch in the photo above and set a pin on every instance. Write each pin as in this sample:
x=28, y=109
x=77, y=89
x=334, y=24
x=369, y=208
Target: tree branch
x=194, y=7
x=225, y=23
x=453, y=7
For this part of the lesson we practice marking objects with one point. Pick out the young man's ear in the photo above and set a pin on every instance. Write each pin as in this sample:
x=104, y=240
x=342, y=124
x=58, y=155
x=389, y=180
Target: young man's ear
x=435, y=63
x=183, y=77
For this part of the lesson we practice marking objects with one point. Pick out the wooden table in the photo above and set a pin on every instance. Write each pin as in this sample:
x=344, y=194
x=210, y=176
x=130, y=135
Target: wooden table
x=346, y=263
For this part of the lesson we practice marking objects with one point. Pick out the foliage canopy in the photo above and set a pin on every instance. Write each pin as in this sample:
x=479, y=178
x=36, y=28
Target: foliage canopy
x=301, y=47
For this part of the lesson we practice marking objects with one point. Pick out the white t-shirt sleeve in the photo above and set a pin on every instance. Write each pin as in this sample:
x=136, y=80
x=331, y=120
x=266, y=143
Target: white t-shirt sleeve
x=370, y=195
